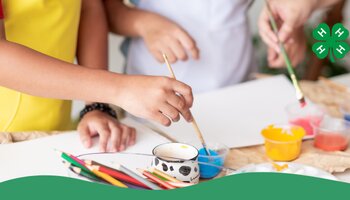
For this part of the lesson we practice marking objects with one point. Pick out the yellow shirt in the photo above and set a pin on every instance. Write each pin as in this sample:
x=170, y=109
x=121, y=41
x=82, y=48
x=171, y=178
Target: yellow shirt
x=50, y=27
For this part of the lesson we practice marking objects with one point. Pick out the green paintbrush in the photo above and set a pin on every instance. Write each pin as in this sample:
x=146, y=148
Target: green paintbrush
x=299, y=93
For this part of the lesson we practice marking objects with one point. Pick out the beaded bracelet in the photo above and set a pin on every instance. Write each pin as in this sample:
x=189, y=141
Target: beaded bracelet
x=103, y=107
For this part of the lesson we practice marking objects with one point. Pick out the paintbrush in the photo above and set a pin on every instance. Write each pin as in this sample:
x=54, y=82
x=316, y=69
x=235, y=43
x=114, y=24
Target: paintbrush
x=299, y=93
x=194, y=123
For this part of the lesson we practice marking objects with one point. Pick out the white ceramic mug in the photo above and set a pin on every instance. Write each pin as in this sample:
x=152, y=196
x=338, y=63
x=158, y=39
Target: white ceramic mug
x=178, y=160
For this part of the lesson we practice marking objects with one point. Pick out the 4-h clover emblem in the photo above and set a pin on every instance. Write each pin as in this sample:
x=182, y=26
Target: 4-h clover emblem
x=330, y=43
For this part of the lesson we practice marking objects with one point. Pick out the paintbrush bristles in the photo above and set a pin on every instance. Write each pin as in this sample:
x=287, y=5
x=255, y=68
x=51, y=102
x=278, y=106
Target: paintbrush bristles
x=299, y=93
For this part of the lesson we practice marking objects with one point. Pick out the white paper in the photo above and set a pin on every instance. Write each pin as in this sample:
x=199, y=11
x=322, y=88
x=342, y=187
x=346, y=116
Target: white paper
x=236, y=115
x=37, y=157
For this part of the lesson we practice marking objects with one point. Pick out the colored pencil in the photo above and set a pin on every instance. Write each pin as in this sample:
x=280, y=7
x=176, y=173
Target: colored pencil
x=194, y=122
x=180, y=185
x=162, y=178
x=84, y=174
x=81, y=172
x=107, y=177
x=137, y=177
x=164, y=175
x=69, y=159
x=299, y=93
x=156, y=179
x=115, y=173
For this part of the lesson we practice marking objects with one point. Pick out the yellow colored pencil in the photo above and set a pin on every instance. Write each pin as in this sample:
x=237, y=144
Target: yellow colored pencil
x=164, y=175
x=107, y=177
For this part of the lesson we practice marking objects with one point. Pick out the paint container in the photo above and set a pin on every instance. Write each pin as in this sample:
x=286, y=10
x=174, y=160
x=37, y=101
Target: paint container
x=332, y=134
x=345, y=109
x=303, y=116
x=211, y=166
x=283, y=142
x=178, y=160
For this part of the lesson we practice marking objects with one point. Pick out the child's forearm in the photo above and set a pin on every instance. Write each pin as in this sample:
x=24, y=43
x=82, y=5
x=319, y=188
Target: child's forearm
x=93, y=35
x=31, y=72
x=125, y=20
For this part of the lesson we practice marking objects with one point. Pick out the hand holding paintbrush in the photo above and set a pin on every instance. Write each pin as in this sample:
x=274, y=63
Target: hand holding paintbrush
x=299, y=94
x=194, y=123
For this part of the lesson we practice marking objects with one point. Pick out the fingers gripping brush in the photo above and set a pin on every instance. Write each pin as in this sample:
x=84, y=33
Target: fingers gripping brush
x=299, y=93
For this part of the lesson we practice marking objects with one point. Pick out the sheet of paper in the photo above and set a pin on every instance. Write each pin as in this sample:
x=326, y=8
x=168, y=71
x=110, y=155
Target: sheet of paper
x=37, y=157
x=235, y=115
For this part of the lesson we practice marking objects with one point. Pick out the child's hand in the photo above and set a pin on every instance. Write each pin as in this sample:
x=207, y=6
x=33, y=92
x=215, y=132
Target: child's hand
x=295, y=49
x=161, y=99
x=108, y=128
x=163, y=35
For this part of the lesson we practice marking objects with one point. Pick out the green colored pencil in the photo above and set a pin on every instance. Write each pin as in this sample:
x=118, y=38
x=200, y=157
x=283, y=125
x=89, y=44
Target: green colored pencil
x=73, y=162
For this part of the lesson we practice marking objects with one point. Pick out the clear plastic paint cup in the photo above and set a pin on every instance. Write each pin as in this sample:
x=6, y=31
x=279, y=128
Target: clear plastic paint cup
x=332, y=134
x=303, y=116
x=345, y=109
x=283, y=142
x=211, y=165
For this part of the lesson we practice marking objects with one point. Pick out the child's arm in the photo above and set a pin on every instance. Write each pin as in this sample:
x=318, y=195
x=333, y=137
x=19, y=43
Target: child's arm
x=29, y=71
x=2, y=32
x=93, y=35
x=92, y=53
x=160, y=34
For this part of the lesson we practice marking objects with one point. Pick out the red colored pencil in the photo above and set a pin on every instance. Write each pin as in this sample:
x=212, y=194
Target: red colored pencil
x=116, y=174
x=156, y=179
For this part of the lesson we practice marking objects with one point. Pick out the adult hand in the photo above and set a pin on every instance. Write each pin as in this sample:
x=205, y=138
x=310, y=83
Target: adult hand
x=295, y=49
x=290, y=16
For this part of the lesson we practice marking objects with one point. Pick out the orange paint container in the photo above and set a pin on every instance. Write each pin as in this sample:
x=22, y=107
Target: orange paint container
x=283, y=142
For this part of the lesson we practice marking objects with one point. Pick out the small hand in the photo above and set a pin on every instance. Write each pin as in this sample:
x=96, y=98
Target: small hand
x=109, y=130
x=161, y=99
x=164, y=36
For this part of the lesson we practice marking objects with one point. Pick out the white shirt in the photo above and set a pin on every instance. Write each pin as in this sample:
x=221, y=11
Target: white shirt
x=221, y=31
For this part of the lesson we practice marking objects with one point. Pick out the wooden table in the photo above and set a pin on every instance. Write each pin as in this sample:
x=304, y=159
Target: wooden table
x=345, y=176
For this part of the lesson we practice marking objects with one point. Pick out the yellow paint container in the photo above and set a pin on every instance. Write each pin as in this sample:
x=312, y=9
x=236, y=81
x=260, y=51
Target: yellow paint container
x=283, y=143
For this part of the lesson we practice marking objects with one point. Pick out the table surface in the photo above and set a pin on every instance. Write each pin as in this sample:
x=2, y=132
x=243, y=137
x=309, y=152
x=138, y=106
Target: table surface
x=344, y=176
x=344, y=80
